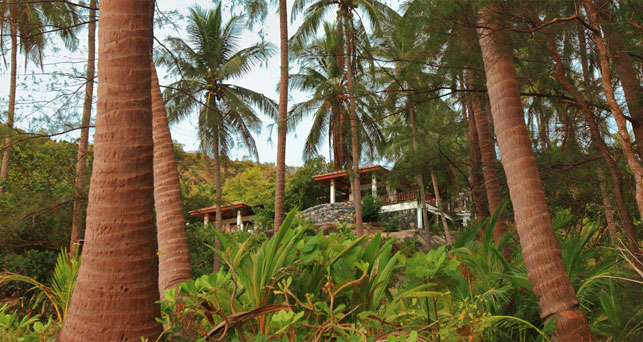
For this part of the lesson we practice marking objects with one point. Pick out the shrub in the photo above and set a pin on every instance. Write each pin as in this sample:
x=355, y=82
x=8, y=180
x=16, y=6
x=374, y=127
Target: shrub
x=371, y=208
x=393, y=224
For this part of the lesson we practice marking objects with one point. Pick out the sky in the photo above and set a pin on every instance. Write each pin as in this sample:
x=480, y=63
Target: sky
x=263, y=79
x=42, y=93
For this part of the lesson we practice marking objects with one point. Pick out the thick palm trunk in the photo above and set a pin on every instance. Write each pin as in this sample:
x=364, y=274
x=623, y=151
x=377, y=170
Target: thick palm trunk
x=617, y=113
x=117, y=285
x=420, y=180
x=540, y=248
x=476, y=177
x=174, y=256
x=488, y=156
x=357, y=195
x=607, y=207
x=283, y=116
x=81, y=158
x=599, y=143
x=218, y=221
x=438, y=203
x=4, y=169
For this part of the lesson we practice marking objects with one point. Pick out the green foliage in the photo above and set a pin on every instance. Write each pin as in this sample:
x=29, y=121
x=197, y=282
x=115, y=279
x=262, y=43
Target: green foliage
x=16, y=328
x=253, y=186
x=371, y=208
x=302, y=191
x=393, y=224
x=303, y=287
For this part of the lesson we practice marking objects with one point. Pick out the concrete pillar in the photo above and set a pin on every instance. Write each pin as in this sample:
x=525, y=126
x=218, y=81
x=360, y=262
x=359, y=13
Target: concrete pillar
x=373, y=185
x=332, y=191
x=205, y=220
x=420, y=223
x=239, y=220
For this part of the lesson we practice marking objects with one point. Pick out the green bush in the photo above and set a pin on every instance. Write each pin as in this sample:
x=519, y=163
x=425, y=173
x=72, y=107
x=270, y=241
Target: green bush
x=393, y=224
x=33, y=263
x=371, y=208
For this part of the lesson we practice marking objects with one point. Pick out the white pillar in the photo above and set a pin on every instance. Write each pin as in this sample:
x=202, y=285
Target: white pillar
x=205, y=220
x=419, y=218
x=239, y=221
x=332, y=191
x=373, y=185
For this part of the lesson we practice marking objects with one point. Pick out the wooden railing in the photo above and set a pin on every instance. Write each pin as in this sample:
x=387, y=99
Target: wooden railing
x=401, y=197
x=405, y=197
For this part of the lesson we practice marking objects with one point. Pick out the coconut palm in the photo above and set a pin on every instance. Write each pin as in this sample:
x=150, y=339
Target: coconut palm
x=374, y=11
x=207, y=61
x=540, y=248
x=321, y=73
x=116, y=290
x=27, y=23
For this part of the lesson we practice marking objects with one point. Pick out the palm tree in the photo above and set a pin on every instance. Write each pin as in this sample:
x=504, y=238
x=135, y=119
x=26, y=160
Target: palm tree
x=174, y=256
x=321, y=73
x=206, y=64
x=540, y=248
x=282, y=127
x=27, y=24
x=81, y=158
x=116, y=290
x=346, y=11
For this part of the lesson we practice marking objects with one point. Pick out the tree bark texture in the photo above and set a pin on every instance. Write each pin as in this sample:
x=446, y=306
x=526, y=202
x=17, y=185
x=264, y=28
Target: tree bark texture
x=489, y=161
x=174, y=256
x=117, y=285
x=218, y=221
x=476, y=176
x=357, y=195
x=607, y=207
x=4, y=169
x=540, y=248
x=81, y=158
x=420, y=180
x=282, y=128
x=438, y=203
x=599, y=143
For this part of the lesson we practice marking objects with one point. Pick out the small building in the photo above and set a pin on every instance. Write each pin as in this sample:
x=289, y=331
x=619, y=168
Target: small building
x=401, y=200
x=236, y=215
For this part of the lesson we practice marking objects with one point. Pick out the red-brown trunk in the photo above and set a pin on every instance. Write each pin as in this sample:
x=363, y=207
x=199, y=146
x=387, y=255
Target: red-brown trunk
x=283, y=115
x=117, y=286
x=81, y=158
x=489, y=162
x=357, y=195
x=476, y=176
x=174, y=256
x=540, y=248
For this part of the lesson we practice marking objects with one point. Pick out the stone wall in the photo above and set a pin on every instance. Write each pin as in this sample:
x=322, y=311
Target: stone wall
x=408, y=217
x=330, y=213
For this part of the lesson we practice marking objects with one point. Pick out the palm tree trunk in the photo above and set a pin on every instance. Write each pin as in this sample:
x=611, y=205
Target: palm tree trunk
x=420, y=180
x=174, y=256
x=81, y=158
x=283, y=116
x=357, y=195
x=599, y=143
x=117, y=286
x=489, y=161
x=540, y=248
x=219, y=198
x=619, y=118
x=438, y=203
x=607, y=207
x=476, y=177
x=4, y=169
